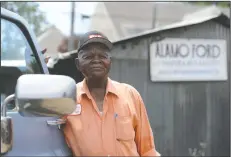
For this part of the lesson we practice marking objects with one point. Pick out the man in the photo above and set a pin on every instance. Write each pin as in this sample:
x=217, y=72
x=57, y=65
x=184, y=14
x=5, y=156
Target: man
x=110, y=119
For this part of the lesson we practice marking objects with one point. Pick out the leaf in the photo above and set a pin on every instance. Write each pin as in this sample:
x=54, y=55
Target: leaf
x=30, y=11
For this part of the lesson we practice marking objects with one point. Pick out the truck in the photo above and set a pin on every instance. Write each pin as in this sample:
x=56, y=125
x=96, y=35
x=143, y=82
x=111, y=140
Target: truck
x=31, y=110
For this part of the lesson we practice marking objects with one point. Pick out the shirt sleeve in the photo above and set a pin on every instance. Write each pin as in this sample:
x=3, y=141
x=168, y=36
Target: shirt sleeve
x=144, y=136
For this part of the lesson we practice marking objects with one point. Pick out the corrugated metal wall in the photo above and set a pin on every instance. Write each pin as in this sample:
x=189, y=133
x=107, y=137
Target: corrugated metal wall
x=182, y=115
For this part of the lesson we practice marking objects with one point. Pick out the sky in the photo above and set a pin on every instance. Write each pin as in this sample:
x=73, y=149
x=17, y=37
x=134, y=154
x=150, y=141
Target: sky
x=58, y=13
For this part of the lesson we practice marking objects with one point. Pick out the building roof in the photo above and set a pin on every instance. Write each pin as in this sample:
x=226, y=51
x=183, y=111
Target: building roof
x=48, y=31
x=209, y=13
x=141, y=14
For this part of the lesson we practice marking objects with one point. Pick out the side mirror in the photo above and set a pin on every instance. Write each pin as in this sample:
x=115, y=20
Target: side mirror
x=45, y=95
x=38, y=95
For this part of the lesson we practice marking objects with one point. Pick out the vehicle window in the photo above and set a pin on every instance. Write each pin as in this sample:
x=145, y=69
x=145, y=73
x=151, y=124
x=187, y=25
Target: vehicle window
x=17, y=58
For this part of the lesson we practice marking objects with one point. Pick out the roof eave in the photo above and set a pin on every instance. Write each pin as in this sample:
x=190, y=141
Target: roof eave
x=220, y=18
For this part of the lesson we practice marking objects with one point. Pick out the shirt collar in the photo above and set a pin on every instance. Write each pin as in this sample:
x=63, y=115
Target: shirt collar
x=110, y=88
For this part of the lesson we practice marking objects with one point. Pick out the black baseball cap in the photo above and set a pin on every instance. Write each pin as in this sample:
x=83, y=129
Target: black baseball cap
x=94, y=37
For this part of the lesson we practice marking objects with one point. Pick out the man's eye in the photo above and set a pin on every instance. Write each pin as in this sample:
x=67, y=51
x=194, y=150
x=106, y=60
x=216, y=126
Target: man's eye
x=103, y=57
x=87, y=57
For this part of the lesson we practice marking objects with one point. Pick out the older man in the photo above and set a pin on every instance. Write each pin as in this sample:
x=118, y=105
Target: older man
x=111, y=119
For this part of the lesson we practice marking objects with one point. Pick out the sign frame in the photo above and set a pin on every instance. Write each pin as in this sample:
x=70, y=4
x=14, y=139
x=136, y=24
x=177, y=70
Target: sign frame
x=191, y=58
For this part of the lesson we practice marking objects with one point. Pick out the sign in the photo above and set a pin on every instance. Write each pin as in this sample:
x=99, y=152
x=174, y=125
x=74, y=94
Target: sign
x=177, y=59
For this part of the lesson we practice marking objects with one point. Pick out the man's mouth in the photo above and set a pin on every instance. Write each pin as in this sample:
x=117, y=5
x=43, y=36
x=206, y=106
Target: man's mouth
x=96, y=68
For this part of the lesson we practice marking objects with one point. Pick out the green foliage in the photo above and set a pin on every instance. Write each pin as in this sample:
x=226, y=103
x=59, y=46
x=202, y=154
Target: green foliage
x=30, y=11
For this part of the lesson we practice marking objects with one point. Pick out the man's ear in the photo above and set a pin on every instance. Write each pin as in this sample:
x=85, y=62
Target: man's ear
x=77, y=64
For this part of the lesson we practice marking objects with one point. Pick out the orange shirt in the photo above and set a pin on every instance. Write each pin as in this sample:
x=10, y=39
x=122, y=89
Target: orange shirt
x=123, y=129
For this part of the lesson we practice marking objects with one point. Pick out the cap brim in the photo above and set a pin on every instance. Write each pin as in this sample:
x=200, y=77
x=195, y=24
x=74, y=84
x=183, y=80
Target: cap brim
x=98, y=40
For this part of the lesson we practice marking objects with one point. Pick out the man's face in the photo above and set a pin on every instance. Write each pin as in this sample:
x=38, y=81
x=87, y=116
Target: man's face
x=94, y=61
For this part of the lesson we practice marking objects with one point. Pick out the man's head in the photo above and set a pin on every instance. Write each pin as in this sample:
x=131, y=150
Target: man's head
x=93, y=55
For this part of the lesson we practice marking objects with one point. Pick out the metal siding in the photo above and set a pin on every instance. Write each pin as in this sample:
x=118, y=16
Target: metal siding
x=181, y=114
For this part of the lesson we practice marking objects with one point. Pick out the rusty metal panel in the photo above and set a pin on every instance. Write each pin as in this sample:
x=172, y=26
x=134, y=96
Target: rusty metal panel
x=182, y=115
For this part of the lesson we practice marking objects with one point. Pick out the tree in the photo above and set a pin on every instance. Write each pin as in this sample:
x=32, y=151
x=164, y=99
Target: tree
x=224, y=4
x=30, y=11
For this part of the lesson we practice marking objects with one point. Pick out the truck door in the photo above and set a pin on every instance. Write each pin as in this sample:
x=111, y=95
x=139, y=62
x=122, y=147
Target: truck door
x=31, y=135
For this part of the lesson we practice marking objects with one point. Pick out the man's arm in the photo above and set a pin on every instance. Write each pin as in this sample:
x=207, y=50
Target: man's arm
x=144, y=136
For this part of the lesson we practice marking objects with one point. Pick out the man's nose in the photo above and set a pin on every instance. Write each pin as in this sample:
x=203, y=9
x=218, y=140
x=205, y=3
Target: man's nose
x=96, y=58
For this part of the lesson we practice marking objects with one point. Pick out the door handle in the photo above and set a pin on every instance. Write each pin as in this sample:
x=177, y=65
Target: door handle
x=57, y=122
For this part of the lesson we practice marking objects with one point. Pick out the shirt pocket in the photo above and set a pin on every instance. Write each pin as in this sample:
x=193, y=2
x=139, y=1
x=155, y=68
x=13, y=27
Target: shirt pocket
x=124, y=128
